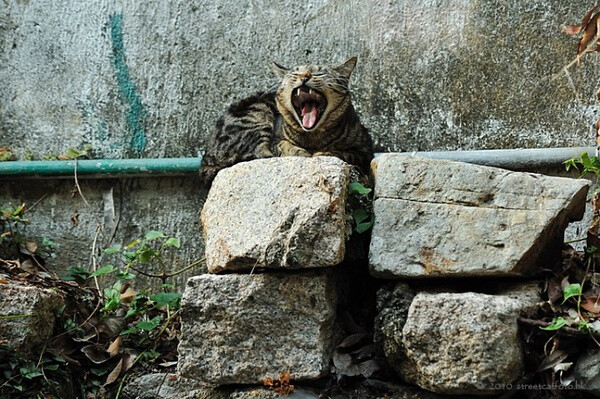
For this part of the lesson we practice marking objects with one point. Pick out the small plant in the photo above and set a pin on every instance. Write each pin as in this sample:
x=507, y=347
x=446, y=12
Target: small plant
x=71, y=154
x=6, y=154
x=360, y=202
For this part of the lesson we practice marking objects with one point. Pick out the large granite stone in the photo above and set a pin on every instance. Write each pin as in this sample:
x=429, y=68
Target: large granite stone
x=454, y=343
x=443, y=218
x=277, y=213
x=238, y=329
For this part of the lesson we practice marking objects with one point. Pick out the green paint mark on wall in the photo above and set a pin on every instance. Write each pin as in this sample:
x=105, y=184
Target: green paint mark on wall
x=137, y=113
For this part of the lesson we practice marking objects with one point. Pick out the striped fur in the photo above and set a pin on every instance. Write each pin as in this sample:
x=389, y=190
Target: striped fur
x=274, y=123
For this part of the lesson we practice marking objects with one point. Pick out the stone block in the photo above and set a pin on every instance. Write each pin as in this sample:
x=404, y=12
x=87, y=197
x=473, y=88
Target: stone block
x=443, y=218
x=27, y=315
x=277, y=213
x=455, y=343
x=238, y=329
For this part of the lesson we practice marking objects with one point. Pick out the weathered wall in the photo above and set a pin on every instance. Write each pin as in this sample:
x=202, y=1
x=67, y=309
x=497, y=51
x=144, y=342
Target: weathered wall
x=149, y=78
x=113, y=212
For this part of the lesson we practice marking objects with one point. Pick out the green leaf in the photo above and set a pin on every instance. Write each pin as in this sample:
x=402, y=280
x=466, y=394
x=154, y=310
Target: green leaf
x=571, y=290
x=51, y=367
x=570, y=163
x=360, y=215
x=143, y=326
x=75, y=272
x=153, y=235
x=356, y=187
x=132, y=244
x=113, y=249
x=146, y=255
x=149, y=325
x=173, y=242
x=125, y=276
x=74, y=154
x=591, y=249
x=362, y=227
x=557, y=324
x=103, y=270
x=170, y=299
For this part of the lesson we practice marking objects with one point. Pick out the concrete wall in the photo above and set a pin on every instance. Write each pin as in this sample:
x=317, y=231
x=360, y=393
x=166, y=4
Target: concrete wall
x=148, y=78
x=115, y=211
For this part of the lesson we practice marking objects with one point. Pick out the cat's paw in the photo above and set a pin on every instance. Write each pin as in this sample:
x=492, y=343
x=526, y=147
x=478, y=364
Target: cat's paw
x=287, y=149
x=322, y=154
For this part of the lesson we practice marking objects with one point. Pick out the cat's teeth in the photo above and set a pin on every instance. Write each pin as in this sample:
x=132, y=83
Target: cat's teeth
x=310, y=91
x=298, y=91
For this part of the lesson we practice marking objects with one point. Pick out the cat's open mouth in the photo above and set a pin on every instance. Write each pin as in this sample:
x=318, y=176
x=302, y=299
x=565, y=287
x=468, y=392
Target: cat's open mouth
x=309, y=105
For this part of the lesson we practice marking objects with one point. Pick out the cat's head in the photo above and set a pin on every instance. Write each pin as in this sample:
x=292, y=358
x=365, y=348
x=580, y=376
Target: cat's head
x=312, y=95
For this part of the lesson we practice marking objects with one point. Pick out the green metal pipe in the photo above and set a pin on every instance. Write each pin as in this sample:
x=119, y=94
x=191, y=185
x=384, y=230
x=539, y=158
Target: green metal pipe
x=100, y=168
x=515, y=159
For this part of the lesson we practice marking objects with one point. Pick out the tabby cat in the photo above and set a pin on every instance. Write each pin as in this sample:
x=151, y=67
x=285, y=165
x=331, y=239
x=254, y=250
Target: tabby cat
x=309, y=114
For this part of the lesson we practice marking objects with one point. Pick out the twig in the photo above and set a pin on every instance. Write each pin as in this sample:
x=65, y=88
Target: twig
x=77, y=185
x=575, y=240
x=93, y=255
x=166, y=275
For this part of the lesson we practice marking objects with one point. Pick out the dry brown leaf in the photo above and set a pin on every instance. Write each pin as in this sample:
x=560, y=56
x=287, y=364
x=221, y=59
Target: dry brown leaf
x=115, y=346
x=95, y=353
x=114, y=374
x=29, y=266
x=352, y=340
x=591, y=304
x=128, y=295
x=552, y=360
x=589, y=34
x=588, y=16
x=571, y=29
x=31, y=246
x=128, y=361
x=555, y=292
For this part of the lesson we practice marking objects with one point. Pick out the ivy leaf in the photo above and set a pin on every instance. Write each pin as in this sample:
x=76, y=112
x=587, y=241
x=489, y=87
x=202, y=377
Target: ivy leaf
x=571, y=290
x=153, y=235
x=557, y=324
x=362, y=227
x=113, y=249
x=103, y=270
x=173, y=242
x=146, y=255
x=360, y=215
x=356, y=187
x=170, y=299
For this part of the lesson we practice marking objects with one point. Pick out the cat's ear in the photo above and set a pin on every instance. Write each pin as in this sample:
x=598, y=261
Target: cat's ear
x=347, y=67
x=280, y=71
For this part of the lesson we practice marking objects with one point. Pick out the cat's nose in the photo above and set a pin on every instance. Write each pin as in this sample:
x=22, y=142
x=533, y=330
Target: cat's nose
x=305, y=79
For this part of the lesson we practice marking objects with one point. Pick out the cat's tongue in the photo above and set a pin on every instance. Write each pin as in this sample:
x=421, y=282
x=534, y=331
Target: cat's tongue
x=309, y=115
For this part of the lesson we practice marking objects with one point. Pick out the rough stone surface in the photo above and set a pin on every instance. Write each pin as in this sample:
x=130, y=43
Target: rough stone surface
x=455, y=343
x=27, y=315
x=113, y=73
x=173, y=386
x=164, y=386
x=586, y=372
x=442, y=218
x=277, y=213
x=241, y=328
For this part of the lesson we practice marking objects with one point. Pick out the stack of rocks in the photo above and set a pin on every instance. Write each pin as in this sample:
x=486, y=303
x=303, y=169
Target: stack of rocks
x=456, y=248
x=438, y=220
x=273, y=228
